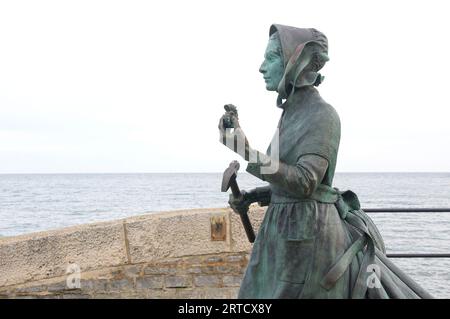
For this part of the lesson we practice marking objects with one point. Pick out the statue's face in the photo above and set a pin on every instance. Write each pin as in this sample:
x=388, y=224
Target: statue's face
x=272, y=67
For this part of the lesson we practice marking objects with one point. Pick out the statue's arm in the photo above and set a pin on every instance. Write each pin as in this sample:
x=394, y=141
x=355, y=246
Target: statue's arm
x=261, y=195
x=300, y=179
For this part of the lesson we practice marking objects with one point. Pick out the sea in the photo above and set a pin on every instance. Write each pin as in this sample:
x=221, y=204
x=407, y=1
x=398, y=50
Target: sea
x=37, y=202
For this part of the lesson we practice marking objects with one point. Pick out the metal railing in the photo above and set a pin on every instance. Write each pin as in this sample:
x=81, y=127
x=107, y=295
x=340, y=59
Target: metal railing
x=412, y=210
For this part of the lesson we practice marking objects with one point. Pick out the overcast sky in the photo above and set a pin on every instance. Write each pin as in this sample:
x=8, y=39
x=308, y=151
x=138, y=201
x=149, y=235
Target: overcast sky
x=139, y=86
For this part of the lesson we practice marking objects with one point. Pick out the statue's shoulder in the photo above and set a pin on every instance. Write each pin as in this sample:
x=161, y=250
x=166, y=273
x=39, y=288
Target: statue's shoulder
x=323, y=110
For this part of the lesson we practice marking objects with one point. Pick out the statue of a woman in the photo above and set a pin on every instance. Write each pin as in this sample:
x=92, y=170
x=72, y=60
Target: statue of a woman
x=314, y=241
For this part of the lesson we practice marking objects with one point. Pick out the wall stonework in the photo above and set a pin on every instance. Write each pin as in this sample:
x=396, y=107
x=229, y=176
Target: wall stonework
x=163, y=255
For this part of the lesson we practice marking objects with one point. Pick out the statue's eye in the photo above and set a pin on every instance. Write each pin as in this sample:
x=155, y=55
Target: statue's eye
x=271, y=57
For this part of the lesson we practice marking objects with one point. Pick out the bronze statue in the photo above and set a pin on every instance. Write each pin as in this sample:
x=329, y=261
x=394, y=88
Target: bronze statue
x=314, y=241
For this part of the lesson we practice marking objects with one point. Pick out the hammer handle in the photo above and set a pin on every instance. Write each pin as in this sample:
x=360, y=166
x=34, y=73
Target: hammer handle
x=244, y=216
x=235, y=188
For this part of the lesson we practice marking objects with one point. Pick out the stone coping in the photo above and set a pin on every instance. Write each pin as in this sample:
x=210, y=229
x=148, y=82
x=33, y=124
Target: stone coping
x=134, y=240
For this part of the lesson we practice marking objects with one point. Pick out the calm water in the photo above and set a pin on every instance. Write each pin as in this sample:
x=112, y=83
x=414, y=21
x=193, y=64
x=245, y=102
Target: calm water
x=30, y=203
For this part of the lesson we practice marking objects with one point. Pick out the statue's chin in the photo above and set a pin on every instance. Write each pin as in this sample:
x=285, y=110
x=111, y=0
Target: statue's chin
x=270, y=87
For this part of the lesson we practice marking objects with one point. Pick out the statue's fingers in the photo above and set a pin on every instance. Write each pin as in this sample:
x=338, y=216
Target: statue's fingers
x=235, y=121
x=221, y=128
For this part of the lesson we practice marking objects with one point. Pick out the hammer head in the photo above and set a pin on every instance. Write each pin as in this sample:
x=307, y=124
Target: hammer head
x=229, y=174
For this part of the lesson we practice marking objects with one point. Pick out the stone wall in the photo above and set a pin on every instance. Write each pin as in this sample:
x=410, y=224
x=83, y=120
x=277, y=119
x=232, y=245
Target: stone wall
x=181, y=254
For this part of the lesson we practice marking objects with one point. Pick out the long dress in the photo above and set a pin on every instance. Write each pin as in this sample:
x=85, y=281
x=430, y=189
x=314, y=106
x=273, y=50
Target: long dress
x=315, y=241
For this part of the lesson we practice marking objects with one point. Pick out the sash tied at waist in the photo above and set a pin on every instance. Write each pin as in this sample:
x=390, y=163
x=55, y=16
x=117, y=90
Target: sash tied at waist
x=322, y=194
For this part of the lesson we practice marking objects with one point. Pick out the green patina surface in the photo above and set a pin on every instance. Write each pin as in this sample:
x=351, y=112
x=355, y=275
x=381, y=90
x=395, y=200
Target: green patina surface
x=315, y=241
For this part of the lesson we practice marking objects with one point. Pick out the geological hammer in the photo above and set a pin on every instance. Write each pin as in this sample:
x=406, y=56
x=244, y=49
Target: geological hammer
x=229, y=180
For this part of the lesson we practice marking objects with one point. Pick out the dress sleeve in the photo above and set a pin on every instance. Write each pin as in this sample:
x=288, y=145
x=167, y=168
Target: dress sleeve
x=300, y=179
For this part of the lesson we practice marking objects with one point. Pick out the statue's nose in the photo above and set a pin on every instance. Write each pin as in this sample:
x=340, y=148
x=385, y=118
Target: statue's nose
x=262, y=68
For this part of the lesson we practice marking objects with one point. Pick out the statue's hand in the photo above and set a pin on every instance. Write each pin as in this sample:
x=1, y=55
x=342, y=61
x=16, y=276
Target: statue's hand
x=239, y=204
x=235, y=133
x=230, y=118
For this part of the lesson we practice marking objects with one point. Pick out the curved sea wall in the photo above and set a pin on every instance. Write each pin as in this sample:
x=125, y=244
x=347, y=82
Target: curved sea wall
x=200, y=253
